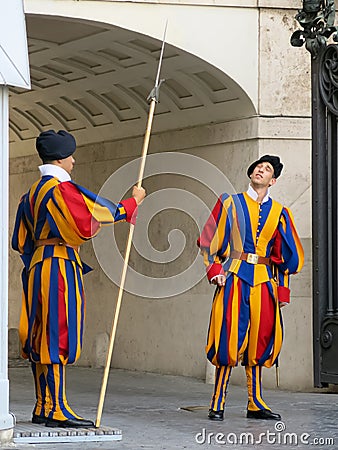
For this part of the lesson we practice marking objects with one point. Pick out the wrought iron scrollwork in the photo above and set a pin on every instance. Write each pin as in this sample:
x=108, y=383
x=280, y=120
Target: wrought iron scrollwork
x=328, y=334
x=317, y=19
x=328, y=78
x=326, y=339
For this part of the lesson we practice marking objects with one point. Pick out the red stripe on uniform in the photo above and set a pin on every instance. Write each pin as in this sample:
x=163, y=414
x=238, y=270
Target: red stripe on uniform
x=267, y=321
x=276, y=251
x=210, y=227
x=239, y=293
x=63, y=327
x=85, y=222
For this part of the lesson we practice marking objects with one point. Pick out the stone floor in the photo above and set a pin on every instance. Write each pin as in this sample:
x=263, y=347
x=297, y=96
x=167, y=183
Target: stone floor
x=153, y=412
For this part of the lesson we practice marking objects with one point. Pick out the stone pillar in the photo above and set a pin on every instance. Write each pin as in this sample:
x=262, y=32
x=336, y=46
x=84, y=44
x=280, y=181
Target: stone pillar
x=209, y=373
x=6, y=419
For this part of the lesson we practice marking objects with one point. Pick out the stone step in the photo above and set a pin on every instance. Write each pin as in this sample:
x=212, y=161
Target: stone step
x=29, y=433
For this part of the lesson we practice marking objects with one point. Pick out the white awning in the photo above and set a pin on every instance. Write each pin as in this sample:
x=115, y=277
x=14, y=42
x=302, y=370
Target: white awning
x=14, y=64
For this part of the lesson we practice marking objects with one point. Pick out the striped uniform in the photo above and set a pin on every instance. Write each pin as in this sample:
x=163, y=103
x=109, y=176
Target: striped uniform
x=53, y=300
x=245, y=323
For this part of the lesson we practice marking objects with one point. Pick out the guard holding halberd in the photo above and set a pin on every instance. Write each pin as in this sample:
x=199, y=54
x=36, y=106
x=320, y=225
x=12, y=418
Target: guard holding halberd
x=53, y=219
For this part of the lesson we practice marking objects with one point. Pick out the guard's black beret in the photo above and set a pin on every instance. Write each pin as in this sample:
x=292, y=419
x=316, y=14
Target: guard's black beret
x=51, y=145
x=273, y=160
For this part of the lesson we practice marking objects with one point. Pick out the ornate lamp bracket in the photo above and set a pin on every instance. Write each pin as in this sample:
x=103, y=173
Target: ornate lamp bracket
x=317, y=19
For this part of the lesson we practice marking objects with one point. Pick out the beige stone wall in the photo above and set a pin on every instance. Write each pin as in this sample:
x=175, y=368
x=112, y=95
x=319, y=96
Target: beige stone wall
x=284, y=70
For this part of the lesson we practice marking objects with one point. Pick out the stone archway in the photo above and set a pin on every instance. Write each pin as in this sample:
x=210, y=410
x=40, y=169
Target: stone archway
x=92, y=79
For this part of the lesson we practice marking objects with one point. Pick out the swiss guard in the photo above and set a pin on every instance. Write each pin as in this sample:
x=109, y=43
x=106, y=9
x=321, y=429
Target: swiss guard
x=250, y=247
x=54, y=218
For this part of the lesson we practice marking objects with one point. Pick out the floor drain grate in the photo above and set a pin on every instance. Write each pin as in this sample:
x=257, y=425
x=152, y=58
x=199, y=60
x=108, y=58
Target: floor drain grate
x=29, y=433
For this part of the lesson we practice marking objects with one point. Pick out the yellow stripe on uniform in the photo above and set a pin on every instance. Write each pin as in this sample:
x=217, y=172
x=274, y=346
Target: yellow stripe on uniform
x=45, y=286
x=217, y=318
x=23, y=322
x=233, y=337
x=78, y=308
x=255, y=310
x=62, y=269
x=45, y=231
x=100, y=213
x=253, y=208
x=22, y=234
x=41, y=195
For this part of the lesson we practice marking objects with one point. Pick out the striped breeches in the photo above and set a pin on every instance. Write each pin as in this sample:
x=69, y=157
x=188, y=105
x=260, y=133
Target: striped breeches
x=254, y=384
x=245, y=324
x=53, y=311
x=50, y=390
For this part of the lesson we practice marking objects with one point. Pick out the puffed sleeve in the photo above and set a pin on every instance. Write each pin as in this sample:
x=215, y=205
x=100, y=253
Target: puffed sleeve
x=21, y=238
x=287, y=254
x=77, y=214
x=215, y=237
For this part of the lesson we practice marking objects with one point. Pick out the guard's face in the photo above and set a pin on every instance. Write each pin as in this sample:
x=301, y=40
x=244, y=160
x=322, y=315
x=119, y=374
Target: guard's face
x=67, y=163
x=263, y=175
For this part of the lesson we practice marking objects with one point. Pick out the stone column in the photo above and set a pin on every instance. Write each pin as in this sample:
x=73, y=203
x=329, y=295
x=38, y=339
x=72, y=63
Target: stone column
x=6, y=419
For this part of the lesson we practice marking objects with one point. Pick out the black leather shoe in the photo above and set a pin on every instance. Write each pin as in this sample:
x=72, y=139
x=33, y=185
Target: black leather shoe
x=69, y=423
x=39, y=419
x=264, y=414
x=216, y=415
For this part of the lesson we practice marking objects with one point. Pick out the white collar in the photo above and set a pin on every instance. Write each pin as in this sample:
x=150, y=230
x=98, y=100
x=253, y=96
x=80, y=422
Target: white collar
x=253, y=194
x=54, y=171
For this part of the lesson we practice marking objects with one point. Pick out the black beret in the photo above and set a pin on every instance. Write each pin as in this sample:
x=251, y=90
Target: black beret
x=273, y=160
x=51, y=145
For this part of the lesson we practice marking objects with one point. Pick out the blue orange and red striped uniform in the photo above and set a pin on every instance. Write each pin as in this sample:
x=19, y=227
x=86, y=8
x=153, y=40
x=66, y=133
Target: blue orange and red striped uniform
x=245, y=323
x=53, y=300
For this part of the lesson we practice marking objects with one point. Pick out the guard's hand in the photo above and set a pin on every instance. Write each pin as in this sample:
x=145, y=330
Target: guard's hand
x=139, y=194
x=281, y=304
x=219, y=280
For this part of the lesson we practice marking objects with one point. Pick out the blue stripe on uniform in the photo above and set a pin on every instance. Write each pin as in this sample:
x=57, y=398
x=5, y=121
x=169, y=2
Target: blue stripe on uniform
x=72, y=311
x=53, y=309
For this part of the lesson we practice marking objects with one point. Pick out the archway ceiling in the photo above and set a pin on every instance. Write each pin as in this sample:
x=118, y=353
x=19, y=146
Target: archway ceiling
x=93, y=80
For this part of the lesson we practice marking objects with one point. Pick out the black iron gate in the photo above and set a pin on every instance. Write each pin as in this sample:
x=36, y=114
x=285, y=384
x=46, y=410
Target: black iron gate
x=325, y=215
x=317, y=18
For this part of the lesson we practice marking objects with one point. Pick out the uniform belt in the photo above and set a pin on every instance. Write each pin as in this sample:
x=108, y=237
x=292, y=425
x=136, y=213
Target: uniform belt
x=54, y=241
x=251, y=258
